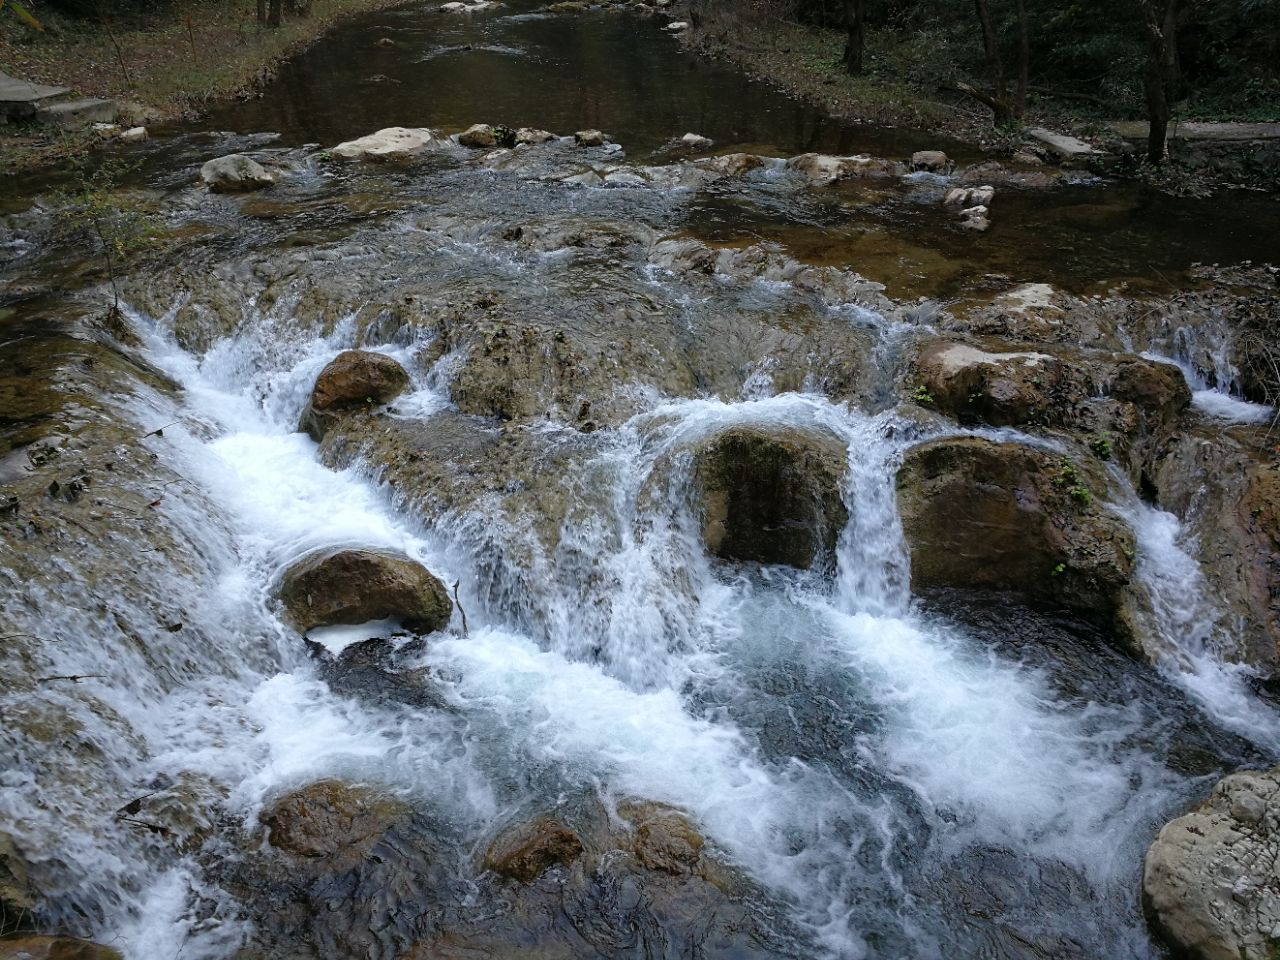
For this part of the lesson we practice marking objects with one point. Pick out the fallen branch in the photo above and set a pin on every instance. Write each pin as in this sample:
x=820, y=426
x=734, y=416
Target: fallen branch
x=458, y=600
x=159, y=431
x=73, y=677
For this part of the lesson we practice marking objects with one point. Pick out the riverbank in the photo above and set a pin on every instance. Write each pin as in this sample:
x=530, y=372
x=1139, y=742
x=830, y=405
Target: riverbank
x=170, y=67
x=906, y=86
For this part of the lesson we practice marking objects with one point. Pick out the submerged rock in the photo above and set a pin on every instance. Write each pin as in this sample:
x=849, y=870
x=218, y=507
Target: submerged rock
x=1209, y=883
x=329, y=821
x=1003, y=516
x=55, y=948
x=235, y=173
x=353, y=380
x=525, y=851
x=357, y=586
x=391, y=144
x=771, y=497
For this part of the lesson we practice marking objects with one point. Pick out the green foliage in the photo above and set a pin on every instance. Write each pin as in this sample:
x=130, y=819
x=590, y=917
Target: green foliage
x=1059, y=570
x=1081, y=495
x=116, y=224
x=922, y=396
x=1101, y=446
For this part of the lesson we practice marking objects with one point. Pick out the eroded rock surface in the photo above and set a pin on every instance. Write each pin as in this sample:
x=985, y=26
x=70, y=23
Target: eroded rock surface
x=1004, y=516
x=55, y=948
x=353, y=380
x=1210, y=884
x=235, y=174
x=357, y=586
x=771, y=497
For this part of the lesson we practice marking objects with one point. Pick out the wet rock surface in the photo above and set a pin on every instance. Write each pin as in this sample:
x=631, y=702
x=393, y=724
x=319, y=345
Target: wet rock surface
x=1003, y=516
x=235, y=174
x=55, y=948
x=355, y=379
x=1210, y=883
x=357, y=586
x=771, y=498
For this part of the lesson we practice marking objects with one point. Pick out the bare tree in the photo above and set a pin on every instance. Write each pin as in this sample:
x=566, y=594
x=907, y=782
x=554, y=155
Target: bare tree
x=855, y=13
x=1160, y=80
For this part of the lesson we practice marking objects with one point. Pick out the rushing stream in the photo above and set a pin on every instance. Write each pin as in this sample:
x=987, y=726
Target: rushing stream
x=893, y=776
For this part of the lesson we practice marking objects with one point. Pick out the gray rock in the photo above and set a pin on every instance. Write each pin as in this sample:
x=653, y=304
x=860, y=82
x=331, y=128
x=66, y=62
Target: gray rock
x=479, y=136
x=235, y=173
x=1209, y=882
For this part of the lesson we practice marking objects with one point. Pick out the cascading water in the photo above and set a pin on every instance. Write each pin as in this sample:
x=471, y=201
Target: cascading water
x=899, y=784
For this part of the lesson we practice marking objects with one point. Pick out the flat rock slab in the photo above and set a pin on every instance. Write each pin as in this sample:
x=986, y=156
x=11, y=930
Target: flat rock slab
x=19, y=99
x=1138, y=129
x=78, y=112
x=1061, y=144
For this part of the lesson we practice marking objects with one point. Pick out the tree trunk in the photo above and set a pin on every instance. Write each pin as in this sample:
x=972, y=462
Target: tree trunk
x=855, y=12
x=1024, y=59
x=1159, y=81
x=273, y=15
x=262, y=13
x=999, y=99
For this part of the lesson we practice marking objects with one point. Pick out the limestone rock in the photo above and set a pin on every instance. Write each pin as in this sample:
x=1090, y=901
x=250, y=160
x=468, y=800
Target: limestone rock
x=1209, y=882
x=391, y=144
x=975, y=219
x=1003, y=516
x=931, y=160
x=590, y=138
x=479, y=136
x=356, y=586
x=533, y=135
x=732, y=164
x=771, y=496
x=823, y=169
x=664, y=838
x=526, y=850
x=696, y=142
x=55, y=948
x=235, y=173
x=329, y=820
x=353, y=380
x=959, y=198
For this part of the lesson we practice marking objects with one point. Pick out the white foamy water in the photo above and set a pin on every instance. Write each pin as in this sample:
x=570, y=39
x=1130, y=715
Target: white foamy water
x=653, y=673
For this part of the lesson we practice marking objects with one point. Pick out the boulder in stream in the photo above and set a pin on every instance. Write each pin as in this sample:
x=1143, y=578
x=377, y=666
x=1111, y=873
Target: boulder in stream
x=329, y=821
x=771, y=496
x=16, y=902
x=357, y=586
x=1209, y=883
x=391, y=144
x=526, y=850
x=235, y=173
x=590, y=138
x=823, y=169
x=931, y=160
x=1003, y=516
x=353, y=380
x=479, y=136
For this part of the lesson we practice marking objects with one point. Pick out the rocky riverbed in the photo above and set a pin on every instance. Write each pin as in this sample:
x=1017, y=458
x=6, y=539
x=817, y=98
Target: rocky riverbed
x=460, y=547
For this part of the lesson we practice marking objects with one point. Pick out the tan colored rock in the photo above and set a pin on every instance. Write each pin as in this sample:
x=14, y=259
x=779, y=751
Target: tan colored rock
x=391, y=145
x=533, y=135
x=771, y=496
x=356, y=586
x=732, y=164
x=931, y=160
x=824, y=169
x=1209, y=881
x=590, y=138
x=479, y=136
x=1003, y=516
x=353, y=380
x=526, y=850
x=330, y=821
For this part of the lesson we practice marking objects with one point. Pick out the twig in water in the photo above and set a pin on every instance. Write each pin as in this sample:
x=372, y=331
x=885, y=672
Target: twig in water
x=458, y=601
x=73, y=677
x=159, y=431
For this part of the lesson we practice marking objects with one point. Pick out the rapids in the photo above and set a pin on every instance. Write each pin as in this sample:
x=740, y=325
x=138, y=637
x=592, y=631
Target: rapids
x=895, y=776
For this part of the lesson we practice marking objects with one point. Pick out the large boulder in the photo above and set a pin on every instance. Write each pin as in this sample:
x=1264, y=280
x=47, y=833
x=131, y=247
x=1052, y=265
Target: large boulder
x=55, y=948
x=479, y=136
x=356, y=586
x=353, y=380
x=1003, y=516
x=235, y=173
x=1209, y=884
x=771, y=496
x=392, y=144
